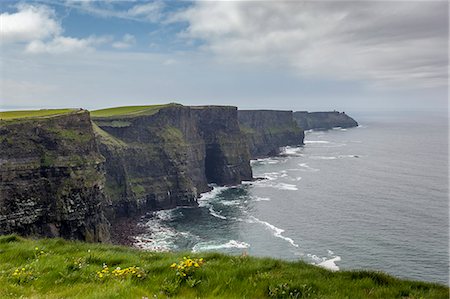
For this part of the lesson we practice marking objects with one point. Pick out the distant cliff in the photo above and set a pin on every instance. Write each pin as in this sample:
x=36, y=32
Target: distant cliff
x=165, y=157
x=268, y=130
x=323, y=120
x=52, y=178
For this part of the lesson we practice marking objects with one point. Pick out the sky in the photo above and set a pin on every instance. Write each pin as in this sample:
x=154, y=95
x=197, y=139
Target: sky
x=295, y=55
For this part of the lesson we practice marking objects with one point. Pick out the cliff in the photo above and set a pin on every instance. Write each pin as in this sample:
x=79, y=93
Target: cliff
x=268, y=130
x=323, y=120
x=51, y=176
x=160, y=157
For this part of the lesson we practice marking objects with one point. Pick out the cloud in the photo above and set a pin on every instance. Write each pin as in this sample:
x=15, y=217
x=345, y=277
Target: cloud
x=127, y=41
x=38, y=26
x=29, y=23
x=150, y=11
x=401, y=43
x=141, y=12
x=62, y=44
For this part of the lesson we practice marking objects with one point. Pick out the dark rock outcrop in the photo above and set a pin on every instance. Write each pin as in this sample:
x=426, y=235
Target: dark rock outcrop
x=52, y=178
x=323, y=120
x=268, y=130
x=167, y=158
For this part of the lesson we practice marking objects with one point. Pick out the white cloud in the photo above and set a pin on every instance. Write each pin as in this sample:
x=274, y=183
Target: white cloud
x=62, y=44
x=386, y=43
x=141, y=12
x=29, y=23
x=38, y=26
x=150, y=11
x=127, y=41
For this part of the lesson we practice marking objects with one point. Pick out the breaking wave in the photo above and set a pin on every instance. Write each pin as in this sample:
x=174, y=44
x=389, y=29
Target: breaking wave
x=206, y=246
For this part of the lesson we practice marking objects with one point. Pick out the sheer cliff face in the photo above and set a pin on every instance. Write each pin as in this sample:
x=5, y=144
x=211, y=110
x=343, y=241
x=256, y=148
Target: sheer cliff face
x=168, y=158
x=52, y=178
x=323, y=120
x=268, y=130
x=227, y=157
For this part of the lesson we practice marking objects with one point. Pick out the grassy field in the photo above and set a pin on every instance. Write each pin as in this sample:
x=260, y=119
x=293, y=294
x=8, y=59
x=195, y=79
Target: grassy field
x=128, y=110
x=61, y=269
x=9, y=115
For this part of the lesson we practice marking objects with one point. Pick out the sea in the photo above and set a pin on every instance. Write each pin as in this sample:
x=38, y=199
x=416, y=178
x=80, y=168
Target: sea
x=372, y=197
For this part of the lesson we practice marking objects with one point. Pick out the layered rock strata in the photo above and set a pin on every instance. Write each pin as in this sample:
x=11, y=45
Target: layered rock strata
x=52, y=178
x=268, y=130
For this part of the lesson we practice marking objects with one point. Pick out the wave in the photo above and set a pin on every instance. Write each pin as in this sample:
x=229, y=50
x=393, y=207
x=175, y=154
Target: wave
x=292, y=151
x=330, y=264
x=265, y=161
x=159, y=237
x=206, y=196
x=279, y=186
x=257, y=198
x=215, y=213
x=323, y=157
x=277, y=232
x=205, y=246
x=166, y=215
x=271, y=175
x=316, y=141
x=230, y=202
x=333, y=157
x=348, y=156
x=306, y=167
x=323, y=262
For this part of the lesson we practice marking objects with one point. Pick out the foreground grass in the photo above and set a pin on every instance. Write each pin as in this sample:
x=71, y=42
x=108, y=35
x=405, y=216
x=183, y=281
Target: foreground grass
x=9, y=115
x=54, y=268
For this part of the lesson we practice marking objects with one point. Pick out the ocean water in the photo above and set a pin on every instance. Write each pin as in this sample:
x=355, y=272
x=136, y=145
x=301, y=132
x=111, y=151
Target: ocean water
x=373, y=197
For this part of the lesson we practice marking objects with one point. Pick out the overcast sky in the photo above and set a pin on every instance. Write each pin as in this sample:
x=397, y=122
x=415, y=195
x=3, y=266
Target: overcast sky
x=300, y=55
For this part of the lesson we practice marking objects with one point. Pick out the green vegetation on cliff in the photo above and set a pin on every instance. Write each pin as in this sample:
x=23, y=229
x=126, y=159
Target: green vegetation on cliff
x=9, y=115
x=129, y=110
x=54, y=268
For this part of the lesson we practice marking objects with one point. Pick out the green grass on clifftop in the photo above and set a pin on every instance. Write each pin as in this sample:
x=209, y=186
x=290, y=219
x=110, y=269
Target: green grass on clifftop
x=54, y=268
x=129, y=110
x=9, y=115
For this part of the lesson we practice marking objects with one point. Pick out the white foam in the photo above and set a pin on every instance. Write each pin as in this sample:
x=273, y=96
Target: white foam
x=158, y=237
x=279, y=186
x=348, y=156
x=306, y=167
x=215, y=213
x=323, y=157
x=230, y=202
x=277, y=232
x=257, y=198
x=211, y=194
x=205, y=246
x=292, y=151
x=271, y=175
x=265, y=161
x=316, y=141
x=165, y=215
x=330, y=264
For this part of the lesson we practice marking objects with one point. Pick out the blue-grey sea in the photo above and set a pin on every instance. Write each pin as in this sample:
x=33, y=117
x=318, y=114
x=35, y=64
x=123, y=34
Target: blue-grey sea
x=372, y=197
